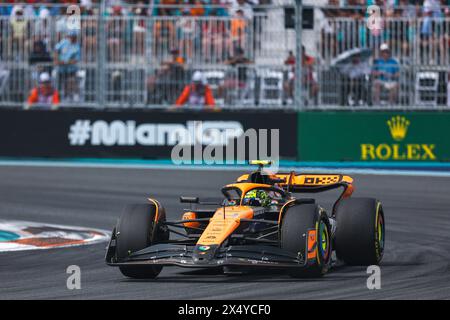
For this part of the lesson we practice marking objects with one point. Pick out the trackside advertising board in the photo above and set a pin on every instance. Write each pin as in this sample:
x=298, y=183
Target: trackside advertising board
x=374, y=136
x=139, y=134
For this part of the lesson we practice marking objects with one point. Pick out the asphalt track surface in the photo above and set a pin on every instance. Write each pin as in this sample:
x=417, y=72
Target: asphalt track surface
x=416, y=263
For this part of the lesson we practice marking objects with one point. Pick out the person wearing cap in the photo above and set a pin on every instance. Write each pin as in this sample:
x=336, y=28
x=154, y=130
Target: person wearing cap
x=66, y=57
x=197, y=93
x=44, y=93
x=386, y=75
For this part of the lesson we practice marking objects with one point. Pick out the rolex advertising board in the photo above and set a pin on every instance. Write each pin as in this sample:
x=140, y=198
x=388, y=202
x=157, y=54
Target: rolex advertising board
x=374, y=136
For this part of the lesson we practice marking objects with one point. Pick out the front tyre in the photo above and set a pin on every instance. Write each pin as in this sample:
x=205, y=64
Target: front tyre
x=360, y=231
x=136, y=230
x=305, y=231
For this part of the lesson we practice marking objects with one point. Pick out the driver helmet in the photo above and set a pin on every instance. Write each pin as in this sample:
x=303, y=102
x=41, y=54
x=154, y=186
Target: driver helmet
x=257, y=198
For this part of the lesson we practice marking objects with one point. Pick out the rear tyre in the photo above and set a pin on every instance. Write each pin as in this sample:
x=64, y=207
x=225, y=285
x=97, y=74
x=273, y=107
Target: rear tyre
x=305, y=231
x=136, y=230
x=360, y=231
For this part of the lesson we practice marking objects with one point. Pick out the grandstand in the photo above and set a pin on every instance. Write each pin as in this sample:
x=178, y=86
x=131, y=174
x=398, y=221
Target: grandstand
x=141, y=54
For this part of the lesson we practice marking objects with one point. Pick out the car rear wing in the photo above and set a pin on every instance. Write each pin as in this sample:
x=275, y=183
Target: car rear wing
x=313, y=182
x=309, y=182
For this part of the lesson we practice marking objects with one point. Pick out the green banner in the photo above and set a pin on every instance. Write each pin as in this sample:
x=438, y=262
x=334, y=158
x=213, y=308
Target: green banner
x=374, y=136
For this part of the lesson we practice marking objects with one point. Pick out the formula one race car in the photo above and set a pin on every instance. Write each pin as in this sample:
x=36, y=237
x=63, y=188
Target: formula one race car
x=258, y=224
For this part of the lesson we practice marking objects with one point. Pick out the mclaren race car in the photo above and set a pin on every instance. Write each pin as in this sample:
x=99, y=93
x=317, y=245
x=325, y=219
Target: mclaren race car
x=259, y=223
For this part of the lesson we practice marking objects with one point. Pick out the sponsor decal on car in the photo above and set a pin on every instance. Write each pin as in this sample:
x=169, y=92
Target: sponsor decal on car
x=312, y=244
x=320, y=179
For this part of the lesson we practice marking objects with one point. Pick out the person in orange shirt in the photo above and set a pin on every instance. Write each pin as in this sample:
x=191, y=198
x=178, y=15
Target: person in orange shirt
x=196, y=94
x=198, y=10
x=238, y=29
x=44, y=93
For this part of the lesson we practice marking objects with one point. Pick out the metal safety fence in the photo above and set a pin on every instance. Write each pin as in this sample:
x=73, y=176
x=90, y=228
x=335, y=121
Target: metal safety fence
x=129, y=61
x=145, y=59
x=349, y=52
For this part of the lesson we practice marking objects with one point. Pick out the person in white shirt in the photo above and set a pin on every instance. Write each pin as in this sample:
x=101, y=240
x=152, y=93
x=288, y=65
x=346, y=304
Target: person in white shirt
x=19, y=32
x=433, y=6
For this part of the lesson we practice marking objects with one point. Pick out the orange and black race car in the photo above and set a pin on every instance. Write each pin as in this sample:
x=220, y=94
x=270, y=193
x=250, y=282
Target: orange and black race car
x=259, y=223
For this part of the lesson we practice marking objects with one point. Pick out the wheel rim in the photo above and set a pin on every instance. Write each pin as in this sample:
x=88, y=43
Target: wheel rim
x=380, y=233
x=324, y=241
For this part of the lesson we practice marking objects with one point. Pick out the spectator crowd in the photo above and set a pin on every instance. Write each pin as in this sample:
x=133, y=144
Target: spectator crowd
x=408, y=37
x=51, y=39
x=403, y=24
x=44, y=39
